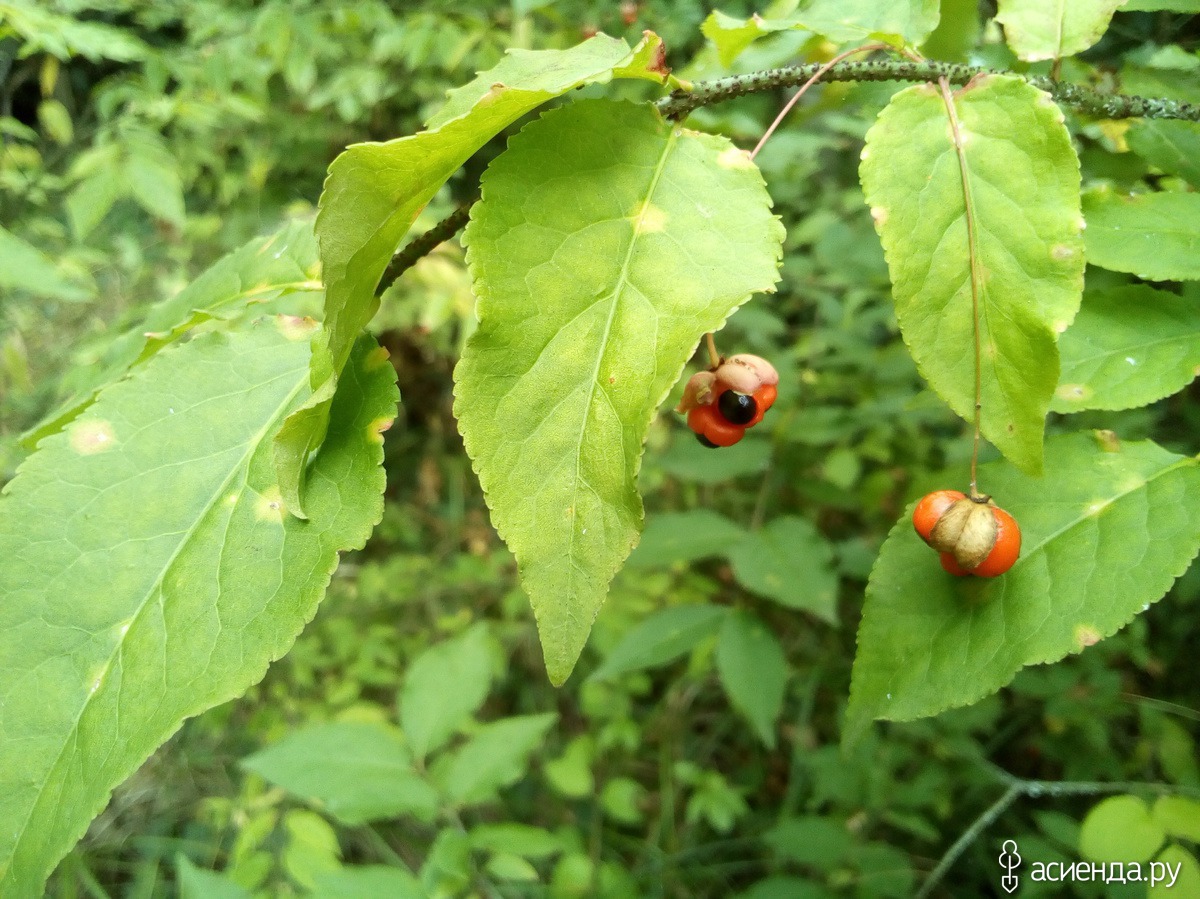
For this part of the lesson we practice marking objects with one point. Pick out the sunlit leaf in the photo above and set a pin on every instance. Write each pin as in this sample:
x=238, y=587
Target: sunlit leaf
x=1024, y=186
x=899, y=22
x=1105, y=532
x=1154, y=236
x=151, y=571
x=375, y=191
x=368, y=882
x=606, y=243
x=1037, y=29
x=1120, y=829
x=1128, y=346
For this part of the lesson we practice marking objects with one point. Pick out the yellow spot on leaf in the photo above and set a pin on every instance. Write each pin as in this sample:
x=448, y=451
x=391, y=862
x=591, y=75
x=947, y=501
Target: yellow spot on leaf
x=649, y=219
x=1073, y=392
x=1062, y=251
x=269, y=506
x=1086, y=635
x=880, y=215
x=295, y=327
x=376, y=359
x=377, y=427
x=92, y=436
x=733, y=158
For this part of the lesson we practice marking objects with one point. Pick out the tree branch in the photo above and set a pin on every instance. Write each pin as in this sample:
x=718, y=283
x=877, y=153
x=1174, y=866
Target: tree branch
x=1083, y=99
x=706, y=93
x=422, y=246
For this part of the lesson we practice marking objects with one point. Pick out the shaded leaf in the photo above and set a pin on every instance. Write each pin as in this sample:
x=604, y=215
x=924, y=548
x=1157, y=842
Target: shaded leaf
x=1024, y=187
x=606, y=244
x=496, y=756
x=375, y=191
x=152, y=573
x=1128, y=346
x=1104, y=535
x=263, y=269
x=685, y=537
x=368, y=882
x=1185, y=875
x=359, y=771
x=444, y=685
x=1172, y=146
x=661, y=638
x=515, y=839
x=1036, y=29
x=198, y=883
x=788, y=561
x=753, y=671
x=24, y=267
x=1154, y=236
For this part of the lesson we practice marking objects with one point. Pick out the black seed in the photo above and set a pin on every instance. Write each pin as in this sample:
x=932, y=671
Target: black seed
x=704, y=441
x=737, y=408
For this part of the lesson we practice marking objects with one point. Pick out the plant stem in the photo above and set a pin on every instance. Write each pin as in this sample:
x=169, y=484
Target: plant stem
x=422, y=246
x=714, y=358
x=976, y=274
x=865, y=48
x=1084, y=99
x=1016, y=787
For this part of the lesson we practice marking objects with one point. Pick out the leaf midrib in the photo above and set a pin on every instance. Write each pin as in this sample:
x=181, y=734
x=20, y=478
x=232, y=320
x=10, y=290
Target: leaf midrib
x=118, y=647
x=620, y=284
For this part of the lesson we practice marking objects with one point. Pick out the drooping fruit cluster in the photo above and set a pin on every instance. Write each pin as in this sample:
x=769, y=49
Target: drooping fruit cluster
x=720, y=404
x=971, y=533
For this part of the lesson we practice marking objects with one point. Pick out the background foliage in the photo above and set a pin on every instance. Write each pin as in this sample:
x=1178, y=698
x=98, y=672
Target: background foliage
x=695, y=751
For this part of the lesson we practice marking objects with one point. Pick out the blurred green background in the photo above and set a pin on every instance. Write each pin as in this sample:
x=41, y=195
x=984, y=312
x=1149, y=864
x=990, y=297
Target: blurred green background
x=140, y=140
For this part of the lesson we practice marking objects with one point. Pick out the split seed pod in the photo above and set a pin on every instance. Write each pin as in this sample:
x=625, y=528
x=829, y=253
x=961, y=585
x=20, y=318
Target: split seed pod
x=968, y=531
x=697, y=392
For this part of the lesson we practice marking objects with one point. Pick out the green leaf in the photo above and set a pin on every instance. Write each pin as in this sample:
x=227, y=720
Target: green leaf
x=515, y=839
x=444, y=686
x=622, y=799
x=359, y=771
x=1036, y=29
x=150, y=571
x=511, y=867
x=1172, y=146
x=1024, y=214
x=753, y=671
x=1154, y=236
x=368, y=882
x=197, y=883
x=153, y=178
x=661, y=638
x=1178, y=816
x=788, y=561
x=496, y=756
x=812, y=840
x=1104, y=534
x=1186, y=6
x=90, y=201
x=312, y=847
x=375, y=191
x=685, y=537
x=1129, y=346
x=1120, y=829
x=606, y=244
x=262, y=270
x=1185, y=878
x=901, y=22
x=24, y=267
